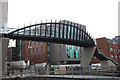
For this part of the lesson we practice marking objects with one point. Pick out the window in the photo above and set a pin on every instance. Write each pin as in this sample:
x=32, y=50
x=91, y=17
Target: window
x=39, y=57
x=24, y=45
x=30, y=43
x=27, y=45
x=61, y=45
x=119, y=50
x=114, y=42
x=112, y=55
x=33, y=50
x=100, y=49
x=111, y=49
x=115, y=56
x=61, y=54
x=108, y=41
x=36, y=50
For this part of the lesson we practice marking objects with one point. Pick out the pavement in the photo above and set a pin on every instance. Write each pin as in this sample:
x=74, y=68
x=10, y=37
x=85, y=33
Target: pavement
x=73, y=77
x=82, y=77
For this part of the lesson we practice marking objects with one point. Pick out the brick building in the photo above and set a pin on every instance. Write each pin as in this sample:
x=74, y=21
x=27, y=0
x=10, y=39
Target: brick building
x=36, y=52
x=117, y=38
x=108, y=47
x=12, y=56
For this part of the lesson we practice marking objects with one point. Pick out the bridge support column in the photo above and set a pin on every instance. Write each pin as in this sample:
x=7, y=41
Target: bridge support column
x=86, y=56
x=3, y=54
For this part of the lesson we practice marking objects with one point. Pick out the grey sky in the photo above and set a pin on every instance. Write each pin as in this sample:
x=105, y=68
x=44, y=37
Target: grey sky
x=99, y=16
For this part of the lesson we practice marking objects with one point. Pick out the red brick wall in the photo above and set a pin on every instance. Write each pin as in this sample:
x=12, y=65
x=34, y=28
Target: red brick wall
x=103, y=44
x=12, y=52
x=35, y=55
x=105, y=48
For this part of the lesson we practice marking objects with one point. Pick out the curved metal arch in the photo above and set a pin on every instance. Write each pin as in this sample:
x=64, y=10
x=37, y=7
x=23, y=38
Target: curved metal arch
x=45, y=24
x=85, y=40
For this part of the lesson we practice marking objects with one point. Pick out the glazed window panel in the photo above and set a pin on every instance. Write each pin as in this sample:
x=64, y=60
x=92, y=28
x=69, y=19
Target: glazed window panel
x=61, y=29
x=112, y=55
x=78, y=35
x=32, y=30
x=75, y=33
x=48, y=31
x=70, y=53
x=36, y=50
x=68, y=32
x=33, y=50
x=65, y=30
x=21, y=31
x=57, y=32
x=119, y=50
x=111, y=49
x=27, y=31
x=53, y=30
x=37, y=30
x=43, y=27
x=116, y=56
x=72, y=33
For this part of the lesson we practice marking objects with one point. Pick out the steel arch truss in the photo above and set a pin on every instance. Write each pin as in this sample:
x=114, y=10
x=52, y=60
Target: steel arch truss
x=55, y=32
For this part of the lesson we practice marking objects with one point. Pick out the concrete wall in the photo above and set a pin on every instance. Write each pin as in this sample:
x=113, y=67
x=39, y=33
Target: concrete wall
x=3, y=54
x=55, y=53
x=3, y=15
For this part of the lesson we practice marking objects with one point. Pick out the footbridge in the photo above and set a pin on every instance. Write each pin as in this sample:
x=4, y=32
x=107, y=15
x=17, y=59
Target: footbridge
x=63, y=32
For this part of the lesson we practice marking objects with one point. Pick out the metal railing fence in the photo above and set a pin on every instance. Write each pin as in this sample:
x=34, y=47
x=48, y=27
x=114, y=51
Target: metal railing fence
x=71, y=70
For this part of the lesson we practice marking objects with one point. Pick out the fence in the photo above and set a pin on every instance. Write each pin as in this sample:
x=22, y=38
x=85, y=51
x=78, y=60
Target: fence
x=71, y=70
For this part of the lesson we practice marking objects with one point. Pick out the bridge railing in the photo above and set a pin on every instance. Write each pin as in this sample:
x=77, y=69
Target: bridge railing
x=71, y=70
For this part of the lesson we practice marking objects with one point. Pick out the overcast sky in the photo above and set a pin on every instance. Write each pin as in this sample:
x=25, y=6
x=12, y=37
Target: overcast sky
x=99, y=16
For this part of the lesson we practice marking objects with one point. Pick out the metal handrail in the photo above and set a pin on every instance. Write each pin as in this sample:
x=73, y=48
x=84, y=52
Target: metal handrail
x=92, y=71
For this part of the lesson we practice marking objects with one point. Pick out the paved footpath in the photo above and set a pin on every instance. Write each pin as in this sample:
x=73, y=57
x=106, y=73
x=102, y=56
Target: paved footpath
x=82, y=77
x=73, y=77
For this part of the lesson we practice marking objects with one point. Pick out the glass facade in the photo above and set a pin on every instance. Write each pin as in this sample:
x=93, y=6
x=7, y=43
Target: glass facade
x=73, y=51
